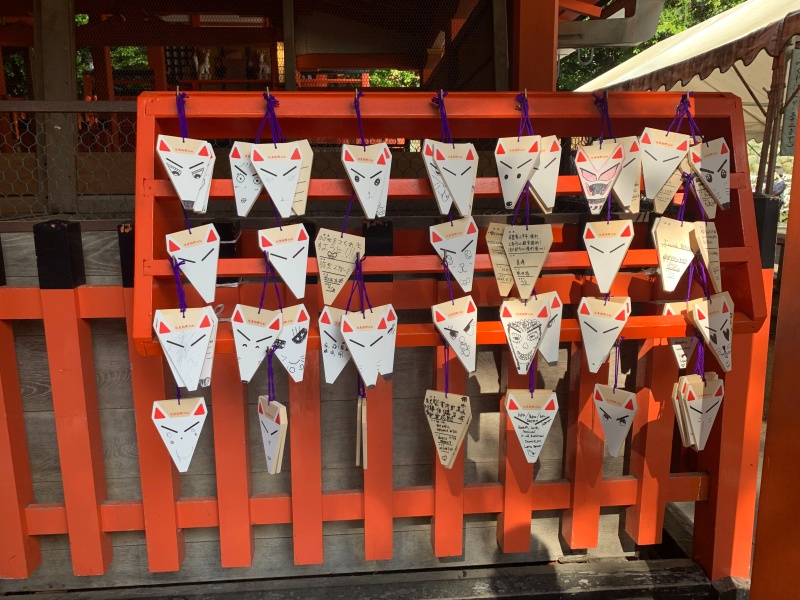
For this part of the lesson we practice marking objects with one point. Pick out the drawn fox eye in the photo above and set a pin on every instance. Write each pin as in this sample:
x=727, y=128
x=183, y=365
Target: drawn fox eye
x=723, y=174
x=198, y=173
x=608, y=174
x=623, y=420
x=175, y=171
x=256, y=180
x=239, y=178
x=709, y=177
x=300, y=336
x=378, y=182
x=588, y=175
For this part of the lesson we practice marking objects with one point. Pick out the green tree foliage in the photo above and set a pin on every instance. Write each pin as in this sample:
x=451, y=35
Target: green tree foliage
x=678, y=15
x=393, y=78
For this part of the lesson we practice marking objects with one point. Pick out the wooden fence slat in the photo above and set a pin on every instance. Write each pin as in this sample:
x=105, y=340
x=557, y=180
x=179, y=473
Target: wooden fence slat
x=447, y=526
x=583, y=465
x=159, y=478
x=306, y=456
x=378, y=492
x=652, y=428
x=515, y=474
x=77, y=418
x=19, y=551
x=229, y=412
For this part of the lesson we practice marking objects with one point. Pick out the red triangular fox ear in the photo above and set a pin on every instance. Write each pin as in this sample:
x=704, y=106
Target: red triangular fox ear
x=585, y=309
x=325, y=319
x=163, y=147
x=237, y=317
x=254, y=155
x=506, y=313
x=200, y=410
x=346, y=327
x=428, y=150
x=157, y=414
x=629, y=405
x=439, y=155
x=203, y=151
x=302, y=236
x=439, y=317
x=276, y=324
x=296, y=155
x=261, y=408
x=206, y=322
x=382, y=324
x=381, y=160
x=435, y=237
x=500, y=149
x=581, y=156
x=618, y=154
x=348, y=157
x=646, y=139
x=550, y=405
x=598, y=396
x=470, y=155
x=235, y=153
x=621, y=315
x=471, y=229
x=684, y=146
x=212, y=236
x=302, y=316
x=543, y=312
x=173, y=247
x=512, y=405
x=162, y=328
x=555, y=147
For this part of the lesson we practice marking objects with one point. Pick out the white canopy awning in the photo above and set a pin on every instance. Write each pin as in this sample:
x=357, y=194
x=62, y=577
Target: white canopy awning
x=701, y=58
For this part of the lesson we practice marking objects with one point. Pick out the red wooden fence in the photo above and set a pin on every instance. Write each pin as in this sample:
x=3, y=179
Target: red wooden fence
x=87, y=517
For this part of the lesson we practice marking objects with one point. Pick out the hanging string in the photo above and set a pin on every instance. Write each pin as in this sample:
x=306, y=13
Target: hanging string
x=357, y=105
x=347, y=213
x=358, y=283
x=361, y=389
x=689, y=281
x=272, y=117
x=176, y=272
x=684, y=111
x=180, y=103
x=525, y=125
x=446, y=366
x=700, y=360
x=438, y=100
x=178, y=394
x=269, y=272
x=689, y=185
x=446, y=269
x=526, y=193
x=270, y=375
x=601, y=102
x=532, y=377
x=701, y=269
x=616, y=362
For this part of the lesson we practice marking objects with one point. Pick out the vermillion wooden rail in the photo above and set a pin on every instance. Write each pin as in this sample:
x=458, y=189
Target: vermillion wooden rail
x=87, y=517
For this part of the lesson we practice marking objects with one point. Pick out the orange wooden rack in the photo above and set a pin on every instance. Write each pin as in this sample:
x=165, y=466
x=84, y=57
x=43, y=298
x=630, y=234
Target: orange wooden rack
x=724, y=520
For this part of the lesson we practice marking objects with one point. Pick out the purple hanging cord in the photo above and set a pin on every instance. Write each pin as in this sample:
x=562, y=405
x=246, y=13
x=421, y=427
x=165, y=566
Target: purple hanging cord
x=532, y=377
x=180, y=103
x=689, y=281
x=358, y=283
x=272, y=117
x=608, y=208
x=270, y=376
x=700, y=360
x=357, y=105
x=438, y=100
x=701, y=270
x=526, y=193
x=361, y=390
x=616, y=362
x=525, y=125
x=268, y=272
x=601, y=102
x=178, y=394
x=347, y=213
x=684, y=111
x=689, y=185
x=176, y=272
x=446, y=269
x=446, y=366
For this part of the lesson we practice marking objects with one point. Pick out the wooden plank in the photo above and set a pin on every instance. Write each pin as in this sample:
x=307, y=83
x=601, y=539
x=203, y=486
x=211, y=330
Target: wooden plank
x=19, y=551
x=535, y=34
x=584, y=454
x=80, y=446
x=232, y=454
x=448, y=484
x=378, y=496
x=515, y=474
x=651, y=435
x=306, y=450
x=160, y=479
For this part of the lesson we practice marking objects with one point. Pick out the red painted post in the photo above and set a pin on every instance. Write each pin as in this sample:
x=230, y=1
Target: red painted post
x=229, y=412
x=585, y=441
x=80, y=445
x=378, y=492
x=306, y=456
x=19, y=551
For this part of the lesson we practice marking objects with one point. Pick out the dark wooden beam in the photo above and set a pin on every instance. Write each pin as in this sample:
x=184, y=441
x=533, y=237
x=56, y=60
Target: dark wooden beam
x=155, y=32
x=581, y=7
x=315, y=62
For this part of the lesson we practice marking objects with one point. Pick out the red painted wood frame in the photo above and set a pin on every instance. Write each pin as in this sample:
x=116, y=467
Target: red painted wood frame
x=514, y=498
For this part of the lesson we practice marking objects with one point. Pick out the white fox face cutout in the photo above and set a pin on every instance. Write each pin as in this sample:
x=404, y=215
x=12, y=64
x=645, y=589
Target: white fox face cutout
x=443, y=198
x=601, y=323
x=384, y=200
x=500, y=266
x=287, y=249
x=598, y=170
x=186, y=162
x=179, y=423
x=336, y=258
x=335, y=354
x=290, y=347
x=544, y=177
x=185, y=340
x=516, y=159
x=711, y=161
x=457, y=243
x=705, y=239
x=273, y=422
x=682, y=347
x=254, y=333
x=386, y=367
x=714, y=319
x=524, y=326
x=674, y=245
x=366, y=336
x=607, y=244
x=548, y=347
x=281, y=170
x=626, y=189
x=679, y=418
x=526, y=248
x=201, y=202
x=246, y=182
x=457, y=324
x=616, y=411
x=532, y=417
x=459, y=168
x=449, y=417
x=198, y=250
x=662, y=153
x=702, y=404
x=368, y=170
